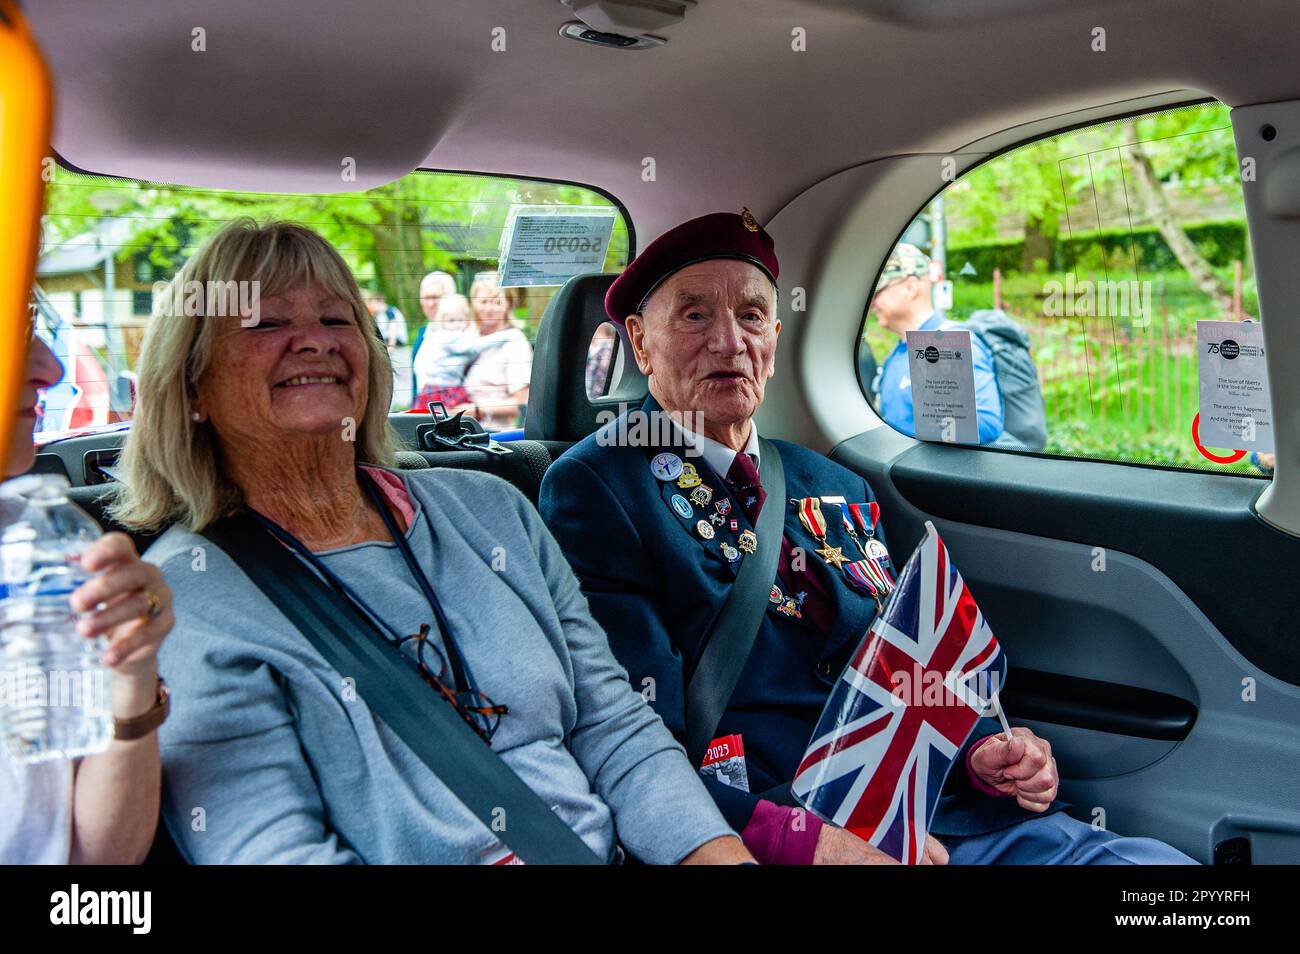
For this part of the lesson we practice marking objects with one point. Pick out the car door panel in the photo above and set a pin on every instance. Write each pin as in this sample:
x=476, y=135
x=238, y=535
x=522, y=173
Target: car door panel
x=1160, y=722
x=1199, y=528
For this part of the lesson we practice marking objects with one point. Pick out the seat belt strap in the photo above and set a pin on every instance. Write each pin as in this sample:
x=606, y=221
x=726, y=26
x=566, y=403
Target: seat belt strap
x=396, y=693
x=731, y=638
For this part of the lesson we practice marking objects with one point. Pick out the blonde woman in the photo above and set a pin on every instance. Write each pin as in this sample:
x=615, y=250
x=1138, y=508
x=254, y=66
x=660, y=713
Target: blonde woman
x=449, y=346
x=286, y=420
x=496, y=383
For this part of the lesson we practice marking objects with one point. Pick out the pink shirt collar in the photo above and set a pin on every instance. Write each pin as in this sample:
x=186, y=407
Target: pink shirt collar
x=394, y=491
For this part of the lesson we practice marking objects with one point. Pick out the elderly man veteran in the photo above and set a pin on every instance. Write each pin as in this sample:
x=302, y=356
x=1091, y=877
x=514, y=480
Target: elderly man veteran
x=656, y=542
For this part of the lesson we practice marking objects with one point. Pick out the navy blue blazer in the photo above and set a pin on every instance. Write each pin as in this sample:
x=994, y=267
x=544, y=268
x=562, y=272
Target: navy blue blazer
x=656, y=585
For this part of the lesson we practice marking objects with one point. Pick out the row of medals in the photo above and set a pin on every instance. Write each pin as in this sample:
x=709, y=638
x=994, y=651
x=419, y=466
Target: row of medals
x=701, y=495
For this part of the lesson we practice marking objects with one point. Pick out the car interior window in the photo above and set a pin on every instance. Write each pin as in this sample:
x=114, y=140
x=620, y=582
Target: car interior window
x=424, y=249
x=1082, y=263
x=600, y=360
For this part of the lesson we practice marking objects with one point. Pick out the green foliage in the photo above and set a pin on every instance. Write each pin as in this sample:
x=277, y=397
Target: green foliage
x=1112, y=441
x=1071, y=206
x=1055, y=183
x=1116, y=391
x=390, y=236
x=1183, y=303
x=1131, y=254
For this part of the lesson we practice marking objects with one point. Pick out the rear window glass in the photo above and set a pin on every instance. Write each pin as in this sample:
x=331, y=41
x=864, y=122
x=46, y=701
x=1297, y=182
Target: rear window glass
x=424, y=249
x=1082, y=264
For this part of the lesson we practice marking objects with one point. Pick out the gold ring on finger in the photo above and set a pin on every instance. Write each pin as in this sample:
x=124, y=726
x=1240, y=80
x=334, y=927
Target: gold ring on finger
x=155, y=605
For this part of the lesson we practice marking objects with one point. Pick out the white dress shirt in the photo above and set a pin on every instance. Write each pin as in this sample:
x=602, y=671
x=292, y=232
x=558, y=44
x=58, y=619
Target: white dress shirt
x=718, y=455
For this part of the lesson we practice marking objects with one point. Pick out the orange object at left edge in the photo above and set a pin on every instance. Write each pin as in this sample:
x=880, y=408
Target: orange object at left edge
x=25, y=102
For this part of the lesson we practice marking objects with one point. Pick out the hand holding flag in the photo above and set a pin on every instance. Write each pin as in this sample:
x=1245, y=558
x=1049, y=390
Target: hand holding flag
x=1022, y=767
x=922, y=677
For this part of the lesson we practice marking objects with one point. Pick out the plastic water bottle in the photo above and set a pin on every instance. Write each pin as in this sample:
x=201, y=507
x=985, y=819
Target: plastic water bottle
x=54, y=688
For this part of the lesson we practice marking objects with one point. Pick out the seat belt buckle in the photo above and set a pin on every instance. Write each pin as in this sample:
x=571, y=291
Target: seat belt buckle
x=457, y=433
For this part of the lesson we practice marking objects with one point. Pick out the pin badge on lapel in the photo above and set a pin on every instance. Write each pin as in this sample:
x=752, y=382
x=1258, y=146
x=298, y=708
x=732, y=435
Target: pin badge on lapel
x=688, y=476
x=704, y=529
x=701, y=495
x=682, y=507
x=666, y=466
x=791, y=606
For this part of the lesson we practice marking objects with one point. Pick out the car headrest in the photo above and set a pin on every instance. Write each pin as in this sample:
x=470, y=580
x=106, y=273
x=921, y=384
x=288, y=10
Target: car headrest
x=558, y=406
x=411, y=460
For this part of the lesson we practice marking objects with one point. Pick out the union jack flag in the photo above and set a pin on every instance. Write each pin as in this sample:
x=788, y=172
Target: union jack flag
x=922, y=677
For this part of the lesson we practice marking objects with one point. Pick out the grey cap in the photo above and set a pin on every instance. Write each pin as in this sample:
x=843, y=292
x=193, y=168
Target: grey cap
x=904, y=261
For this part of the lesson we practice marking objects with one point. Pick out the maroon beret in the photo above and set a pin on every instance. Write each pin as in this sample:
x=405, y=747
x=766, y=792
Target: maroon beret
x=717, y=235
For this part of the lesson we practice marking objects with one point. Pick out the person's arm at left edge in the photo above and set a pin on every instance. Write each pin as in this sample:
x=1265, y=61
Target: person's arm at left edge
x=661, y=810
x=115, y=792
x=988, y=399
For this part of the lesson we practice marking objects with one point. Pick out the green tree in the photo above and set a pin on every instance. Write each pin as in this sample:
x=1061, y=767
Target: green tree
x=389, y=235
x=1118, y=174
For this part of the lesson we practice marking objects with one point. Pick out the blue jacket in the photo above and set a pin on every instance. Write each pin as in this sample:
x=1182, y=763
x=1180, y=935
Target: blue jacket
x=894, y=385
x=415, y=349
x=656, y=585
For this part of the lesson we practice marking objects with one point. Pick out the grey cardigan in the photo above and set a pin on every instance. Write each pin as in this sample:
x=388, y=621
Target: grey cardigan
x=269, y=756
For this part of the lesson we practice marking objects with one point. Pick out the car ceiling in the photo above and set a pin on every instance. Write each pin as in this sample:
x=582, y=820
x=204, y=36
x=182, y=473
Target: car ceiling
x=729, y=112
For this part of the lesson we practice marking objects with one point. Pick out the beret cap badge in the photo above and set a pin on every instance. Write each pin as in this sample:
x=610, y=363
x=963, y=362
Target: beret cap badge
x=747, y=219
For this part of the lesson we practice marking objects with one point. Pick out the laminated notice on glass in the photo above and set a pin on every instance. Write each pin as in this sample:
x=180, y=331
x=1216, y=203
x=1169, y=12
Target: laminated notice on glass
x=548, y=245
x=943, y=386
x=1233, y=374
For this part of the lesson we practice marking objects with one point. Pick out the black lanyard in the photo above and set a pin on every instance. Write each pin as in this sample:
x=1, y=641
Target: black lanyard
x=459, y=668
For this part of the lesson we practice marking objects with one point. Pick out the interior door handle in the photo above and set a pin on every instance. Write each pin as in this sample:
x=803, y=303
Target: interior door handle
x=1101, y=706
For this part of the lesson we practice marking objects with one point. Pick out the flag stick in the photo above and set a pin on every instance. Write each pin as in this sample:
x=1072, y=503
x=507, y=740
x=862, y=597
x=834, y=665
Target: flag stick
x=1002, y=716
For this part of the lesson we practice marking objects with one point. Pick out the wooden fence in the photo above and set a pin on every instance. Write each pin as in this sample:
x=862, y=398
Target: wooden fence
x=1142, y=370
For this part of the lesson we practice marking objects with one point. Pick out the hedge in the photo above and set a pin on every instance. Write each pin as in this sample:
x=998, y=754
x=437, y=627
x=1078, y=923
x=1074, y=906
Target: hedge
x=1220, y=243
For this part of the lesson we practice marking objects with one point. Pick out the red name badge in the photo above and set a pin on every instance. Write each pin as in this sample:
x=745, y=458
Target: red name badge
x=725, y=760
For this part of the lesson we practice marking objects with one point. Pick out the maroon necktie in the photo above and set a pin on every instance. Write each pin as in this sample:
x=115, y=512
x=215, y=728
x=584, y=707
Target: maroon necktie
x=817, y=605
x=743, y=478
